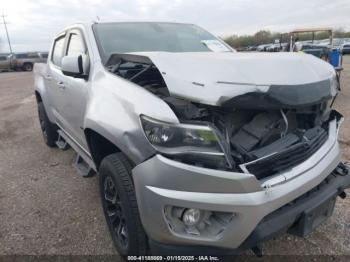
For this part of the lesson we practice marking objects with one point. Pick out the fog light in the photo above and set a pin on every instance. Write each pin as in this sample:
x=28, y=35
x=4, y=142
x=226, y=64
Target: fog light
x=191, y=216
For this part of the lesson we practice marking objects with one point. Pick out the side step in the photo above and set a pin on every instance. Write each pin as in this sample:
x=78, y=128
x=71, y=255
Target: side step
x=62, y=143
x=83, y=162
x=82, y=167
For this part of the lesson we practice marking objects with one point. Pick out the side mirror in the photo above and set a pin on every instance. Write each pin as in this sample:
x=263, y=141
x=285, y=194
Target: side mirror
x=75, y=66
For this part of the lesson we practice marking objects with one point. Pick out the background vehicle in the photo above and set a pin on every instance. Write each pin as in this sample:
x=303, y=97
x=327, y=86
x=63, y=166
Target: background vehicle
x=251, y=48
x=345, y=48
x=199, y=149
x=277, y=47
x=43, y=56
x=294, y=37
x=5, y=62
x=262, y=48
x=26, y=61
x=323, y=49
x=313, y=49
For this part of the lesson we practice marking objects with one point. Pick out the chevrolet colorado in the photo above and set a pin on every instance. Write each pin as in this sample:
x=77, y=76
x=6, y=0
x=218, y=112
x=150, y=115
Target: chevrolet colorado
x=198, y=148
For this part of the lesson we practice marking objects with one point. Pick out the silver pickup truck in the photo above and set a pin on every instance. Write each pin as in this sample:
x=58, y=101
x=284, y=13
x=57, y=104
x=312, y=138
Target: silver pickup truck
x=199, y=149
x=26, y=61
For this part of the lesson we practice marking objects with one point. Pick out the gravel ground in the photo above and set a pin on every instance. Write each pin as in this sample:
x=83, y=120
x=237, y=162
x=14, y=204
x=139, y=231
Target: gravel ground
x=46, y=208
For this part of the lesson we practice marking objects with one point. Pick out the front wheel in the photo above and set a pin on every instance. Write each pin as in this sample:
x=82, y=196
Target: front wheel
x=120, y=206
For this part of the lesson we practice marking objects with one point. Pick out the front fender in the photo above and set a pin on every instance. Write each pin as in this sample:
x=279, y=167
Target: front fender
x=114, y=110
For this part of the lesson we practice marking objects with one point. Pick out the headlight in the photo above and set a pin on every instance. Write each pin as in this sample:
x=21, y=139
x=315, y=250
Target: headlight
x=181, y=138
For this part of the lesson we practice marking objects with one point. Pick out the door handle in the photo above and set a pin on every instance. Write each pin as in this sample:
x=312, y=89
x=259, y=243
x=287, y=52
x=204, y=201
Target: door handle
x=61, y=85
x=48, y=77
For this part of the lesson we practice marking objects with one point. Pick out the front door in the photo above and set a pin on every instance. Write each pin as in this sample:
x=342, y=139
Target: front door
x=75, y=91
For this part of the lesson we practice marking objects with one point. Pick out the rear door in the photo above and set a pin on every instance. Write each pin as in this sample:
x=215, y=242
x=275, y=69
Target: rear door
x=54, y=79
x=75, y=92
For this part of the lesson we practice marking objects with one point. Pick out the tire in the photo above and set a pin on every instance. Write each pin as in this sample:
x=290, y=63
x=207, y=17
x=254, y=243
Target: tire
x=47, y=128
x=120, y=205
x=28, y=67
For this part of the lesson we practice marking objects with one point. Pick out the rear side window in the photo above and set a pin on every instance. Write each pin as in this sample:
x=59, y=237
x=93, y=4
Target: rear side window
x=21, y=56
x=44, y=55
x=57, y=51
x=33, y=55
x=75, y=45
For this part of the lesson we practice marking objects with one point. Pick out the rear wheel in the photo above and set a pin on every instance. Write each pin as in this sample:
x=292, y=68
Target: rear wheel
x=120, y=206
x=47, y=128
x=28, y=67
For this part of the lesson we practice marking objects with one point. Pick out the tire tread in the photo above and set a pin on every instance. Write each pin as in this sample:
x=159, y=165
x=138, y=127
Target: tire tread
x=123, y=168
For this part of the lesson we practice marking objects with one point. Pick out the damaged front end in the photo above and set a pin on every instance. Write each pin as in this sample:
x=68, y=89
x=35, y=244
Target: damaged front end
x=257, y=132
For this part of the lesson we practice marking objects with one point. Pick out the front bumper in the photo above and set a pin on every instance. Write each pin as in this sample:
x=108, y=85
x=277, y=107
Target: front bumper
x=297, y=218
x=162, y=182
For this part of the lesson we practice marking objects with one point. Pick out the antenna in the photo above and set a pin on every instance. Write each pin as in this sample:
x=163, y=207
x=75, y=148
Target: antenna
x=7, y=33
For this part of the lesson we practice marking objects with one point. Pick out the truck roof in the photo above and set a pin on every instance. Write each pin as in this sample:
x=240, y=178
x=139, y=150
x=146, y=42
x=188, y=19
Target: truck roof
x=126, y=21
x=89, y=24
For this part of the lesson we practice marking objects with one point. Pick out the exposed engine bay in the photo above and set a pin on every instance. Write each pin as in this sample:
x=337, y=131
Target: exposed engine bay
x=260, y=141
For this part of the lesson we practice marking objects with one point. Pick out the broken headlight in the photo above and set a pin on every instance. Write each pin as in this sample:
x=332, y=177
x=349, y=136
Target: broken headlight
x=178, y=138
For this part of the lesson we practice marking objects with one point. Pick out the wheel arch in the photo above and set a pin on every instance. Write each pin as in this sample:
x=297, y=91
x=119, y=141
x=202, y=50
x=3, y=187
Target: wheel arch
x=100, y=146
x=28, y=63
x=38, y=96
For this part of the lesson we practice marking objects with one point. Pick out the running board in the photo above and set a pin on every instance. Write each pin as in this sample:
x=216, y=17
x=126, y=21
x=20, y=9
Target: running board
x=82, y=167
x=83, y=162
x=61, y=142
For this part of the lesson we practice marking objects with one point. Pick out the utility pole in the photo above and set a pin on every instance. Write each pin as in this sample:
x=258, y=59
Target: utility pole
x=7, y=33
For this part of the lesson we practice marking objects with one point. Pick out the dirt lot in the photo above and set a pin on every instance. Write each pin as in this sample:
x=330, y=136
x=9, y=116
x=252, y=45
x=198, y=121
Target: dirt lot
x=46, y=208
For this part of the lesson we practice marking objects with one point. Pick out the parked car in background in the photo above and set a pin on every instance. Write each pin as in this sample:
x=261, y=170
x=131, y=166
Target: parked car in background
x=345, y=48
x=5, y=64
x=44, y=56
x=26, y=61
x=319, y=51
x=252, y=48
x=262, y=48
x=274, y=48
x=337, y=42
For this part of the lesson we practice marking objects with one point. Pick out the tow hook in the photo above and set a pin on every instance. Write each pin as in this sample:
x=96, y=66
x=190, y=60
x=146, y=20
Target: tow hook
x=342, y=169
x=342, y=195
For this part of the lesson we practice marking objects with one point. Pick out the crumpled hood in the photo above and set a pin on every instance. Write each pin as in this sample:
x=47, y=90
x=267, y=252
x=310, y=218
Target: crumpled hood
x=214, y=78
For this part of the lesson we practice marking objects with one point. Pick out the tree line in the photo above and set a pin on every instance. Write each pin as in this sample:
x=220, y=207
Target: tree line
x=267, y=37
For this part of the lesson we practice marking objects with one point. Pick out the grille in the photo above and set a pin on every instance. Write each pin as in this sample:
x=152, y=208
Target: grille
x=289, y=157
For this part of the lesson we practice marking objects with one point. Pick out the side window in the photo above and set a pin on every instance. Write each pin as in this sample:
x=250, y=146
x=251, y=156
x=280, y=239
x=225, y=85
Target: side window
x=2, y=58
x=57, y=51
x=33, y=55
x=75, y=45
x=22, y=56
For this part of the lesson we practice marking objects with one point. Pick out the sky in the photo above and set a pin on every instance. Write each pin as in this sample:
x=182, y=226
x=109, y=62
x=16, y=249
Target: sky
x=33, y=23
